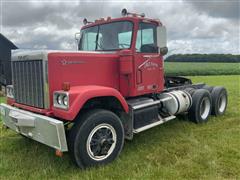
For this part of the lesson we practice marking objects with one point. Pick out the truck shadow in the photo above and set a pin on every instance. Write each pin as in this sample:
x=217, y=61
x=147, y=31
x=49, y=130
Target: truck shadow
x=22, y=152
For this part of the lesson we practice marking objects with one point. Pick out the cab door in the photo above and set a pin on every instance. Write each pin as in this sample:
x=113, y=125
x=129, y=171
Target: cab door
x=148, y=61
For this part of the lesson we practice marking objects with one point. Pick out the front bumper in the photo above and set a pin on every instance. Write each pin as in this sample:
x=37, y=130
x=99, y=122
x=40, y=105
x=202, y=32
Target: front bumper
x=43, y=129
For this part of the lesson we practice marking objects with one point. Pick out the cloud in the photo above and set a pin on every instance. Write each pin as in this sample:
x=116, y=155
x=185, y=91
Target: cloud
x=218, y=8
x=23, y=14
x=193, y=26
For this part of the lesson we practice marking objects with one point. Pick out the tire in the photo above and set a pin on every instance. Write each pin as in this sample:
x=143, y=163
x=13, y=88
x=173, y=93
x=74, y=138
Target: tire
x=190, y=90
x=209, y=88
x=219, y=100
x=201, y=106
x=96, y=139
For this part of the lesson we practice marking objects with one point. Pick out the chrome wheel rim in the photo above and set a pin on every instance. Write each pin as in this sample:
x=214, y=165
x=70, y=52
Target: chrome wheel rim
x=101, y=142
x=222, y=103
x=205, y=107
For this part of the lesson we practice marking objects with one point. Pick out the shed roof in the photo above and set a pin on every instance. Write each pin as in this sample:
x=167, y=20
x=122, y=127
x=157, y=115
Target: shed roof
x=10, y=43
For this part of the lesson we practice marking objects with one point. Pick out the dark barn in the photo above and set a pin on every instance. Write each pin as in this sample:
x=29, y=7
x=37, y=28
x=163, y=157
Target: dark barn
x=5, y=60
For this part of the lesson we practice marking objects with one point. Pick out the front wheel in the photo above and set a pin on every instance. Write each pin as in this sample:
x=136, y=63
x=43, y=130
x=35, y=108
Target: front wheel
x=96, y=139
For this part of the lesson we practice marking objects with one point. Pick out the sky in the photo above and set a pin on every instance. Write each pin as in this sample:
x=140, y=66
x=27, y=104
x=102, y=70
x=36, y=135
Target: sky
x=193, y=26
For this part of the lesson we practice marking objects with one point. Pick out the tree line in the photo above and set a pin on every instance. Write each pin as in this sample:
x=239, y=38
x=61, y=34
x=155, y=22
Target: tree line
x=203, y=58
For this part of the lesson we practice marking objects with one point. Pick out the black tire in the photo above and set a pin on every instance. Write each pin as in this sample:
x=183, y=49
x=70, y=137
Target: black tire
x=87, y=131
x=209, y=88
x=190, y=90
x=201, y=106
x=219, y=100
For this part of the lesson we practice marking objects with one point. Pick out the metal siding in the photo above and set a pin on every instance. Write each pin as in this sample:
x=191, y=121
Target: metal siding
x=5, y=59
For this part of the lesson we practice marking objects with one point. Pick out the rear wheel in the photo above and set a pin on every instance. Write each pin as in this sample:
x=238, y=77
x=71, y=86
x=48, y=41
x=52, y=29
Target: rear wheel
x=209, y=88
x=201, y=106
x=96, y=139
x=219, y=100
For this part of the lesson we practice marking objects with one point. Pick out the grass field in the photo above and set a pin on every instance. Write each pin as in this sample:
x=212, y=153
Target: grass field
x=193, y=69
x=175, y=150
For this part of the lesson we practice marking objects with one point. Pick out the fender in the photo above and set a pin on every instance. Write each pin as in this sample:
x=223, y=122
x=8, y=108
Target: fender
x=79, y=95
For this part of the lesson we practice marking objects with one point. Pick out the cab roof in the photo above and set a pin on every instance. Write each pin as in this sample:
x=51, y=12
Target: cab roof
x=133, y=19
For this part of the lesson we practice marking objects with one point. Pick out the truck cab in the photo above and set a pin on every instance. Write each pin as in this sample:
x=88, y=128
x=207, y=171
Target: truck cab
x=136, y=42
x=88, y=101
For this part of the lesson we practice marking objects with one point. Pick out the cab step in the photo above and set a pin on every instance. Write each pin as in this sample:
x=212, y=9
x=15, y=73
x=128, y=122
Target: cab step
x=161, y=121
x=145, y=113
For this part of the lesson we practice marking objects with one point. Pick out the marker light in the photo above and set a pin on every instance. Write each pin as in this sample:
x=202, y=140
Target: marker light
x=66, y=86
x=124, y=12
x=85, y=21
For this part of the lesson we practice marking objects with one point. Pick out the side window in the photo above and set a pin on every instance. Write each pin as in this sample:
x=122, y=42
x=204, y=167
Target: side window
x=147, y=38
x=89, y=41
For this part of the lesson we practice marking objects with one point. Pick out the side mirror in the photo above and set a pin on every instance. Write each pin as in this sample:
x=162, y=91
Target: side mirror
x=77, y=38
x=162, y=40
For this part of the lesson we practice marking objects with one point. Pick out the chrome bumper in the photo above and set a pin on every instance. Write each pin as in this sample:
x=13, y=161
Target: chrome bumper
x=40, y=128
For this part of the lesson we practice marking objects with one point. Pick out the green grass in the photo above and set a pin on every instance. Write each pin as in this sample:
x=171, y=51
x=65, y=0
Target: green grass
x=175, y=150
x=193, y=69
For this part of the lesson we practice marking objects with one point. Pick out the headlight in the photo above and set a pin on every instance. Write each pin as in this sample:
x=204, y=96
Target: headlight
x=9, y=90
x=61, y=99
x=65, y=100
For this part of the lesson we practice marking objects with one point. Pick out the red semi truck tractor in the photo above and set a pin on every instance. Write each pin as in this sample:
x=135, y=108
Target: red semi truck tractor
x=89, y=101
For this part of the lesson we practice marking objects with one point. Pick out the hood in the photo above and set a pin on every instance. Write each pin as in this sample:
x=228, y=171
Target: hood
x=82, y=68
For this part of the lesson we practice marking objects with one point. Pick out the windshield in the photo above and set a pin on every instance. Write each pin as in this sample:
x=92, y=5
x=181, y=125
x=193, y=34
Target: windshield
x=107, y=37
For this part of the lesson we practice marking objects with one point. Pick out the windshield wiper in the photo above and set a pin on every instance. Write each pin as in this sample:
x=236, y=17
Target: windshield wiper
x=97, y=44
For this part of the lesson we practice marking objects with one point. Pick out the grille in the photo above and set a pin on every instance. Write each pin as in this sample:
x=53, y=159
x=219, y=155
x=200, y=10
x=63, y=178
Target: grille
x=28, y=82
